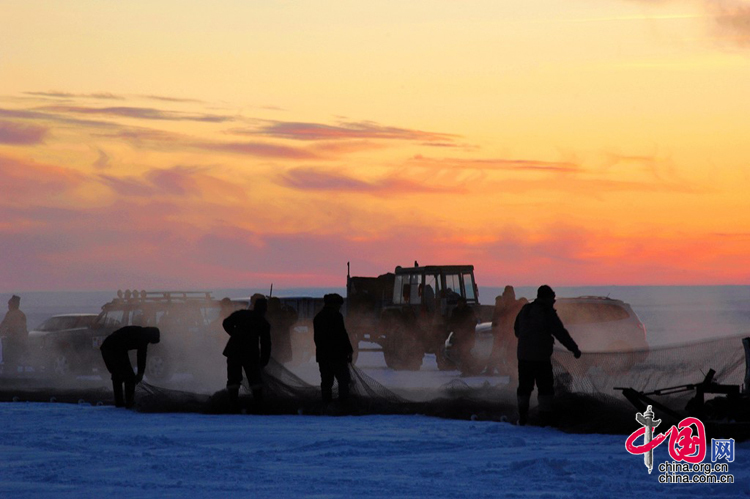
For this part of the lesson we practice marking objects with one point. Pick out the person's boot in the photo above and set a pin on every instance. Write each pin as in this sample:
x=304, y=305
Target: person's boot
x=546, y=410
x=129, y=395
x=257, y=400
x=234, y=398
x=117, y=389
x=343, y=393
x=327, y=395
x=523, y=409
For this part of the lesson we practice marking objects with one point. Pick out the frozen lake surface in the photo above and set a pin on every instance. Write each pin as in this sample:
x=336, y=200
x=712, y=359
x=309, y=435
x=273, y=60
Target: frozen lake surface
x=74, y=451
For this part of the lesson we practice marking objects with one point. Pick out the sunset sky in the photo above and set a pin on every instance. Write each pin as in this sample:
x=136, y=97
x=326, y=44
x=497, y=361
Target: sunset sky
x=175, y=144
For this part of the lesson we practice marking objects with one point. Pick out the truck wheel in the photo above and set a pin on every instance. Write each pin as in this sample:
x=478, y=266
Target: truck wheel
x=60, y=365
x=157, y=367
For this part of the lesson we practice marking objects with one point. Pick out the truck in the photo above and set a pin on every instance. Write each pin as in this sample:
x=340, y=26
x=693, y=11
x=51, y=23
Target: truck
x=189, y=321
x=406, y=312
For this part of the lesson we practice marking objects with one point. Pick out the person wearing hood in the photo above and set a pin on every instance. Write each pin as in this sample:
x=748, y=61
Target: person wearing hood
x=333, y=349
x=248, y=348
x=536, y=327
x=15, y=335
x=115, y=350
x=503, y=320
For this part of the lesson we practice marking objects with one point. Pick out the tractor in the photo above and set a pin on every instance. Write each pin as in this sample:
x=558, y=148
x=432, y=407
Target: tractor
x=407, y=312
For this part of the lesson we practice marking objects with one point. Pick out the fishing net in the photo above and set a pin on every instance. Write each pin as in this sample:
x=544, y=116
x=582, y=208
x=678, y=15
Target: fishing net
x=586, y=398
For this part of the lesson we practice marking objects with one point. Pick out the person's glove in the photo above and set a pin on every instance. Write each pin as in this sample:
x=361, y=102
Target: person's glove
x=577, y=353
x=138, y=378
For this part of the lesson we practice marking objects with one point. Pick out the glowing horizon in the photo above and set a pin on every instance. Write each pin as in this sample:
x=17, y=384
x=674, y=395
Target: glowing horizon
x=233, y=145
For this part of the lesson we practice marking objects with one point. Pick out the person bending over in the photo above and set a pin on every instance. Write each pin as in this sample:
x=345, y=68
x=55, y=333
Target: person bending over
x=115, y=350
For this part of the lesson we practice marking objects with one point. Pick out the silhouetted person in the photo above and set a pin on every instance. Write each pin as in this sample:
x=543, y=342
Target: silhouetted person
x=463, y=323
x=226, y=307
x=115, y=350
x=536, y=327
x=451, y=296
x=428, y=298
x=15, y=335
x=281, y=318
x=503, y=320
x=248, y=348
x=333, y=350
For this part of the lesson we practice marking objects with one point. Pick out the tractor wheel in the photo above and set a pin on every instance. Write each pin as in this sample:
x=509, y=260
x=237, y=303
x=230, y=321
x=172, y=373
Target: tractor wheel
x=443, y=362
x=402, y=350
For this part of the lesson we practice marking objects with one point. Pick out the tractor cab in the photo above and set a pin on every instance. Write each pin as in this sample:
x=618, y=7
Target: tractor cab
x=406, y=312
x=435, y=287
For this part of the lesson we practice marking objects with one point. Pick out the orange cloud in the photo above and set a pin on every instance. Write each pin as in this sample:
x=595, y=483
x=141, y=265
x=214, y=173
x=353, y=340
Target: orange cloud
x=17, y=134
x=315, y=179
x=179, y=181
x=143, y=113
x=732, y=20
x=344, y=131
x=28, y=182
x=259, y=149
x=67, y=95
x=497, y=164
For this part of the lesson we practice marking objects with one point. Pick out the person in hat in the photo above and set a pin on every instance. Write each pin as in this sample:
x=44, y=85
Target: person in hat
x=333, y=349
x=248, y=348
x=115, y=350
x=14, y=335
x=463, y=323
x=503, y=319
x=536, y=327
x=281, y=318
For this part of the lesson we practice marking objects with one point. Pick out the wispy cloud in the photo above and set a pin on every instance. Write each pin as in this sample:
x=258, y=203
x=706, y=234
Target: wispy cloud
x=178, y=181
x=140, y=135
x=18, y=134
x=23, y=114
x=67, y=95
x=344, y=131
x=145, y=113
x=102, y=162
x=259, y=149
x=732, y=19
x=128, y=186
x=497, y=164
x=148, y=137
x=171, y=99
x=30, y=182
x=316, y=179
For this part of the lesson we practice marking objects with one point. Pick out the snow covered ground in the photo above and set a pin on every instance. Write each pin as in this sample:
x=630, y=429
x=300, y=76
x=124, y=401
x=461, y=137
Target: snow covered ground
x=67, y=450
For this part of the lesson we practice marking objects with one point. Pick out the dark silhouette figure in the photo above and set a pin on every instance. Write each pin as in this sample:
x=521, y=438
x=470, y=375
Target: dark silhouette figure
x=463, y=323
x=333, y=350
x=281, y=318
x=428, y=298
x=248, y=348
x=536, y=327
x=115, y=353
x=218, y=335
x=14, y=335
x=503, y=320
